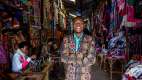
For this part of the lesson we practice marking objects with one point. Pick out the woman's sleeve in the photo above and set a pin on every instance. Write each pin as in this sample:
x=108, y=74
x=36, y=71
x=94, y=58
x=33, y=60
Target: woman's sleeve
x=19, y=63
x=16, y=64
x=90, y=58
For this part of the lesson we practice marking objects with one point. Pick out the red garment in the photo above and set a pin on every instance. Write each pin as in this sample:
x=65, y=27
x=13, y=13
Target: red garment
x=24, y=62
x=121, y=7
x=130, y=13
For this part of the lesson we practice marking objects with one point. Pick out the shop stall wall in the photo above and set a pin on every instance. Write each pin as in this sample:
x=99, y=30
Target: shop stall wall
x=20, y=21
x=11, y=32
x=115, y=14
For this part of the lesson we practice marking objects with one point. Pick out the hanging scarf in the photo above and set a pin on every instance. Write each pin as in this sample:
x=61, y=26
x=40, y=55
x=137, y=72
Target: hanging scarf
x=77, y=40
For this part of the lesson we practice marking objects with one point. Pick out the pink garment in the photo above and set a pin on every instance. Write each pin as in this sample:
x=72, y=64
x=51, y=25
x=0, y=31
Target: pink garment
x=121, y=8
x=126, y=9
x=130, y=13
x=24, y=62
x=120, y=5
x=129, y=19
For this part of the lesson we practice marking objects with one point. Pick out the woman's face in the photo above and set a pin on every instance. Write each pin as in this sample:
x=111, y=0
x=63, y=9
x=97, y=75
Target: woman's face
x=78, y=26
x=25, y=50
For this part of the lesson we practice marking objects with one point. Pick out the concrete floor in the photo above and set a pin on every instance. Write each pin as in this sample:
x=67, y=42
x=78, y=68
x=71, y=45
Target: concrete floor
x=99, y=74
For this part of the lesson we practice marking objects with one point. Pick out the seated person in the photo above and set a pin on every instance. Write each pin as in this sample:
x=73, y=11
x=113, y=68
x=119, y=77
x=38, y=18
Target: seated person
x=20, y=59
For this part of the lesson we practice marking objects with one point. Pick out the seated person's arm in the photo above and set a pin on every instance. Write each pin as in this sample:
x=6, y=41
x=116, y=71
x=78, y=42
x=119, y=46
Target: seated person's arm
x=19, y=63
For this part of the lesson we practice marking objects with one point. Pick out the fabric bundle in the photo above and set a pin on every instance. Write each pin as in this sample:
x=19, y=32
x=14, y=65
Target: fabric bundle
x=129, y=19
x=3, y=58
x=133, y=72
x=35, y=37
x=36, y=14
x=19, y=37
x=114, y=15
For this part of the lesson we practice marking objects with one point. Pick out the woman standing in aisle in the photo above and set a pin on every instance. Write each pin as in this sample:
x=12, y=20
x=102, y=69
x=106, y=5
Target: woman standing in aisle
x=77, y=53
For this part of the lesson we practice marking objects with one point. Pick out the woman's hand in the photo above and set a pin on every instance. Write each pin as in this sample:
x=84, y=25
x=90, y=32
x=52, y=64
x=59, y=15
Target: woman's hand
x=33, y=57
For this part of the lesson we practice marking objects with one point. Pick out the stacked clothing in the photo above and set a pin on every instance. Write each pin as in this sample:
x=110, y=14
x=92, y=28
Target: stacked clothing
x=117, y=45
x=133, y=71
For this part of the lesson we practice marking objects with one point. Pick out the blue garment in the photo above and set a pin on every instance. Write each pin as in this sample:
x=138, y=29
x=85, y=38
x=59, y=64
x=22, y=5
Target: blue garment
x=77, y=40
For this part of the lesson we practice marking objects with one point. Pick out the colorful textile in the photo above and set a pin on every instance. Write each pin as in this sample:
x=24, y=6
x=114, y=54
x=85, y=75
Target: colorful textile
x=78, y=63
x=129, y=19
x=117, y=45
x=121, y=7
x=36, y=14
x=130, y=13
x=133, y=72
x=113, y=15
x=3, y=58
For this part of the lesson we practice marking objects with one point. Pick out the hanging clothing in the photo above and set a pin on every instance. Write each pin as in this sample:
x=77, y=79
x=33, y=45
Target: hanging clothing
x=4, y=45
x=113, y=15
x=20, y=61
x=78, y=61
x=121, y=7
x=3, y=57
x=129, y=19
x=133, y=71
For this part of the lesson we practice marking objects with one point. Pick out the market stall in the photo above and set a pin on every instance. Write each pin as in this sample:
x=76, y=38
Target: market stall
x=42, y=75
x=117, y=33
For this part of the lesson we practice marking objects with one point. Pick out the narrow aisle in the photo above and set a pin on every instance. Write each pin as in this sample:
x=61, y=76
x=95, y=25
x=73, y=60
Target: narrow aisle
x=99, y=74
x=65, y=39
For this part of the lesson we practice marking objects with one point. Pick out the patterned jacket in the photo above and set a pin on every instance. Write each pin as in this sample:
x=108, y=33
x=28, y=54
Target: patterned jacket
x=78, y=63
